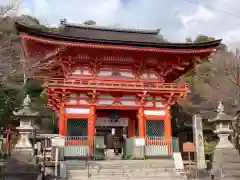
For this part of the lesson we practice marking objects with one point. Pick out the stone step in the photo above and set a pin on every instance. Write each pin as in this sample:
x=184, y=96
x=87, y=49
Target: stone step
x=231, y=159
x=170, y=177
x=166, y=175
x=232, y=166
x=98, y=167
x=125, y=178
x=118, y=172
x=232, y=173
x=123, y=174
x=141, y=173
x=122, y=177
x=128, y=178
x=121, y=164
x=115, y=162
x=155, y=170
x=121, y=169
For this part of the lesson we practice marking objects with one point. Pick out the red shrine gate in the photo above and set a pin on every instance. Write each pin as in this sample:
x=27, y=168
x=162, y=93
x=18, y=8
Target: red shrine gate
x=91, y=72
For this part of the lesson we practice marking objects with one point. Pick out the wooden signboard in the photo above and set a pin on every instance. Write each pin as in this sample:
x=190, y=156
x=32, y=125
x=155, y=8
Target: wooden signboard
x=189, y=147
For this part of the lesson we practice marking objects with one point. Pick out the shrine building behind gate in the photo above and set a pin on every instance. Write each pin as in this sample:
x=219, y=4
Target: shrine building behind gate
x=102, y=79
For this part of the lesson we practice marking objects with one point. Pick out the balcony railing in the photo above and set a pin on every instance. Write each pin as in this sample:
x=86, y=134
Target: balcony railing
x=117, y=85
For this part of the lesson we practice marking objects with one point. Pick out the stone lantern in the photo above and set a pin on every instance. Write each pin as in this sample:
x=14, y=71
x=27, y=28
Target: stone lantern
x=26, y=116
x=224, y=151
x=223, y=123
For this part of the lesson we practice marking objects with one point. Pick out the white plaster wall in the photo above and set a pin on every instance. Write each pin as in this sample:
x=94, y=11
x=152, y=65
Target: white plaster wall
x=77, y=110
x=155, y=112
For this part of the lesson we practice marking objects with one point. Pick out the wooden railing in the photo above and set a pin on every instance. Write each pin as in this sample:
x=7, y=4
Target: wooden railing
x=117, y=85
x=76, y=141
x=77, y=146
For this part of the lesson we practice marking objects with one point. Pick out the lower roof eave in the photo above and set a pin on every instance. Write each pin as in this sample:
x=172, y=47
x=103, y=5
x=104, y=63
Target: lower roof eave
x=164, y=48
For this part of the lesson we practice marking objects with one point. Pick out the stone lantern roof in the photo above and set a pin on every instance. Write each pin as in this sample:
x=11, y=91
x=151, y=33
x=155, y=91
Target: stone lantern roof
x=222, y=116
x=26, y=110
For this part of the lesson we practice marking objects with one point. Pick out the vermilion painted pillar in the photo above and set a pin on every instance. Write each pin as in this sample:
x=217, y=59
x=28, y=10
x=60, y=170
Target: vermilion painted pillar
x=61, y=121
x=91, y=126
x=131, y=126
x=65, y=123
x=141, y=122
x=168, y=131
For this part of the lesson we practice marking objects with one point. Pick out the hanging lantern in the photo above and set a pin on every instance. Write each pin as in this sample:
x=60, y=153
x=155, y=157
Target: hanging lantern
x=114, y=115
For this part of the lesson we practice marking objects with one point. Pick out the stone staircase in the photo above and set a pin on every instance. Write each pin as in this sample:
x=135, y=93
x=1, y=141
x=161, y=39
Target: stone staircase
x=122, y=170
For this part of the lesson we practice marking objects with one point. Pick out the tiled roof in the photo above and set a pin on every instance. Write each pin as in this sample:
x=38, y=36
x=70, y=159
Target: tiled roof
x=97, y=32
x=103, y=35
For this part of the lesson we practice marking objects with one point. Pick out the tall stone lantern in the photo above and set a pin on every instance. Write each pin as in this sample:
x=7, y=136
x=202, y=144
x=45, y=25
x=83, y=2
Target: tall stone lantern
x=224, y=150
x=26, y=116
x=223, y=123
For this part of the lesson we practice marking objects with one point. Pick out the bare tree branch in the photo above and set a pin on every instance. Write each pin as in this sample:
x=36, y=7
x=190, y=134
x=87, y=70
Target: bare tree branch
x=214, y=81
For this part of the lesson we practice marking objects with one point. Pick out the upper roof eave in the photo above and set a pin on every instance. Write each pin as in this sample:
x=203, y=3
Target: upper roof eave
x=49, y=35
x=141, y=31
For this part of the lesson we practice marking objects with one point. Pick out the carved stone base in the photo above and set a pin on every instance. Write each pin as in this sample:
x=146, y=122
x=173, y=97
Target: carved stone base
x=226, y=163
x=24, y=144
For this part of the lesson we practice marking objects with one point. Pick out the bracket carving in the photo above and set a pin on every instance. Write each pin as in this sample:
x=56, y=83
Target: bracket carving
x=64, y=95
x=143, y=98
x=139, y=67
x=92, y=96
x=95, y=65
x=117, y=101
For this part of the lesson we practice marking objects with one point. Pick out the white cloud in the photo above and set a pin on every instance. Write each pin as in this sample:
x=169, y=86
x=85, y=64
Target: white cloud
x=178, y=19
x=202, y=15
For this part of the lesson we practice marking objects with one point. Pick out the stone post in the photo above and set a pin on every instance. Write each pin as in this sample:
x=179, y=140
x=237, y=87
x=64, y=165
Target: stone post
x=199, y=142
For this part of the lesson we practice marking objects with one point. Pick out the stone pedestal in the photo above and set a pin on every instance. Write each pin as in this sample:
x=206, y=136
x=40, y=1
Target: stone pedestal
x=226, y=164
x=24, y=143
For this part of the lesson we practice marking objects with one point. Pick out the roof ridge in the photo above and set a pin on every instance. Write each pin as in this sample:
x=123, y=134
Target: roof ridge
x=105, y=28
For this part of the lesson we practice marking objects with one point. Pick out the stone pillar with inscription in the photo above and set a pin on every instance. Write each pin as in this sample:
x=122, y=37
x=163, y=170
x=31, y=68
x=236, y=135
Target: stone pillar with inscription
x=199, y=142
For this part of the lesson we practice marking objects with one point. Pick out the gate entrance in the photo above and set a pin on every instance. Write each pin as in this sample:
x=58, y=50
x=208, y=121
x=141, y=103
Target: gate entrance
x=113, y=127
x=113, y=139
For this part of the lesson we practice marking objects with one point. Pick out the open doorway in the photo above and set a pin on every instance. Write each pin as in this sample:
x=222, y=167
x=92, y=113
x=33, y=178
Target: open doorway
x=113, y=125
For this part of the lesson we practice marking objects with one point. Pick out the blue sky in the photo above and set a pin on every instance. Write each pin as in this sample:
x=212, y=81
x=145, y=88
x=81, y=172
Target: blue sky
x=177, y=19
